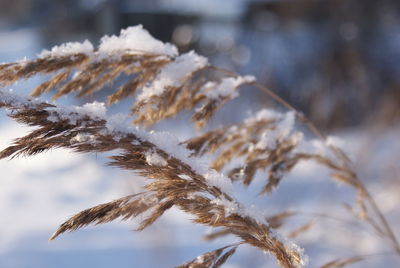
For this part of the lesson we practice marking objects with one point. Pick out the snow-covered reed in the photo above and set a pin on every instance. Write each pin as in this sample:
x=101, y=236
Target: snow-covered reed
x=165, y=84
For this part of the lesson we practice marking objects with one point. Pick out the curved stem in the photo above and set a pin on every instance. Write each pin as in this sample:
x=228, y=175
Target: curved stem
x=279, y=100
x=389, y=232
x=339, y=154
x=300, y=115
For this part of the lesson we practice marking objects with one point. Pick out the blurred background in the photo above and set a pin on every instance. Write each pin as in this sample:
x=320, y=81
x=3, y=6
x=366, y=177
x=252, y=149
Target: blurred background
x=335, y=60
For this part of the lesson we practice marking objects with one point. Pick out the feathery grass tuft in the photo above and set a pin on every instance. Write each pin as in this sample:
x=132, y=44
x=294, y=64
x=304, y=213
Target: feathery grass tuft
x=166, y=84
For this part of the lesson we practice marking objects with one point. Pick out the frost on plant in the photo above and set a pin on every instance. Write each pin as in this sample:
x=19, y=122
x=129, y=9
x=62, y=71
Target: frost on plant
x=161, y=83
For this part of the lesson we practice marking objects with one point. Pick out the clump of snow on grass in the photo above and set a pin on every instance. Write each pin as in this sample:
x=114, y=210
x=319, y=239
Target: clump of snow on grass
x=287, y=124
x=173, y=74
x=133, y=38
x=282, y=130
x=84, y=137
x=154, y=159
x=226, y=87
x=291, y=246
x=117, y=125
x=229, y=206
x=264, y=114
x=67, y=49
x=170, y=144
x=233, y=207
x=200, y=259
x=185, y=177
x=218, y=180
x=137, y=39
x=95, y=110
x=8, y=96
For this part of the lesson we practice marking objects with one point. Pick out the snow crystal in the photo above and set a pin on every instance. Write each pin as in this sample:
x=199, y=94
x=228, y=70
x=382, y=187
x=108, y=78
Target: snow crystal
x=185, y=177
x=173, y=74
x=76, y=74
x=227, y=87
x=199, y=259
x=84, y=137
x=66, y=49
x=154, y=159
x=136, y=38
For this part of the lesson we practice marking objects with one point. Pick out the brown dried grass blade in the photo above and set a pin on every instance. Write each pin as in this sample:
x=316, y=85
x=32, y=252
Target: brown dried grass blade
x=211, y=259
x=216, y=234
x=208, y=203
x=50, y=84
x=277, y=220
x=125, y=207
x=298, y=231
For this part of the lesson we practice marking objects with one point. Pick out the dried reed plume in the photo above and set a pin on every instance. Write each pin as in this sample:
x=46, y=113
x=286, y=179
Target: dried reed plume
x=173, y=182
x=166, y=84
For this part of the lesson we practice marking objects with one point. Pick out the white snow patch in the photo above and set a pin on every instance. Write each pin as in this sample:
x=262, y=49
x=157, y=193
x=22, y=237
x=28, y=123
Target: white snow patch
x=227, y=87
x=67, y=49
x=229, y=206
x=233, y=207
x=185, y=177
x=264, y=114
x=8, y=96
x=282, y=131
x=291, y=246
x=173, y=74
x=218, y=180
x=137, y=39
x=154, y=159
x=199, y=259
x=95, y=110
x=84, y=137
